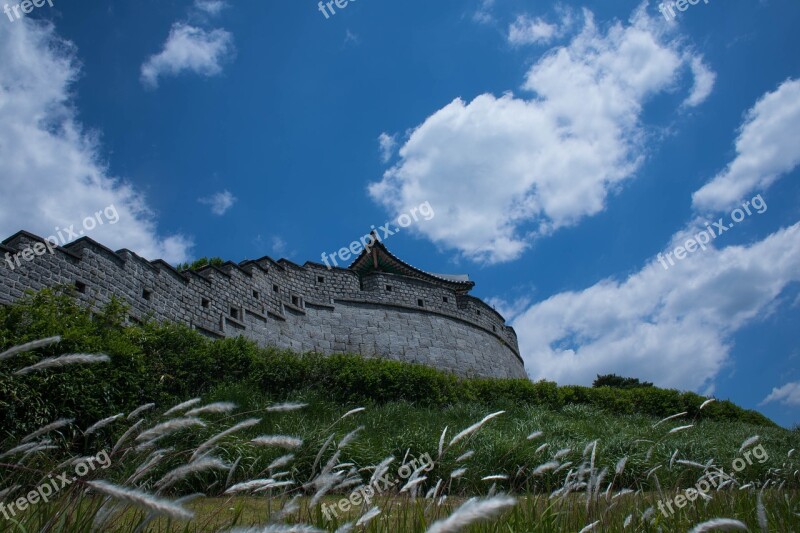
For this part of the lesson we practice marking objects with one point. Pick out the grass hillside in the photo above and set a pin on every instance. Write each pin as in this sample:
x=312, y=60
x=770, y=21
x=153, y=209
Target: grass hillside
x=272, y=437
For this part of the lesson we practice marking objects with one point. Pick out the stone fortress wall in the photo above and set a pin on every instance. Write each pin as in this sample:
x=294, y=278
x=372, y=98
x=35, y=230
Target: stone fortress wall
x=279, y=303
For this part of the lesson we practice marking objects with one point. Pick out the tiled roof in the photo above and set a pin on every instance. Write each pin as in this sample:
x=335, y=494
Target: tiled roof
x=388, y=262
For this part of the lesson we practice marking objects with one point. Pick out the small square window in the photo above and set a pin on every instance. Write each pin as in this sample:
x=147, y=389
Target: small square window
x=320, y=279
x=234, y=313
x=479, y=312
x=494, y=328
x=255, y=295
x=445, y=299
x=388, y=288
x=80, y=287
x=295, y=301
x=205, y=303
x=146, y=294
x=420, y=303
x=275, y=288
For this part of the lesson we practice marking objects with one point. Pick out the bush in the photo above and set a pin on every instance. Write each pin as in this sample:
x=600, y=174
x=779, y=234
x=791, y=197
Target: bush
x=613, y=380
x=168, y=363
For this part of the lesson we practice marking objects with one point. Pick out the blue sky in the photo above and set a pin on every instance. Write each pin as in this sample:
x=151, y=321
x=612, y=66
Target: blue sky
x=562, y=148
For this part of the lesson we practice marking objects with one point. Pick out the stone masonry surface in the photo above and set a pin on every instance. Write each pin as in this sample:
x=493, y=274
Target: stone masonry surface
x=279, y=303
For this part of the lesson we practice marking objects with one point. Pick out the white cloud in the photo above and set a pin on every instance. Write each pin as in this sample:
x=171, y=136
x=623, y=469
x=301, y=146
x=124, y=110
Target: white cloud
x=704, y=79
x=191, y=49
x=53, y=173
x=504, y=170
x=789, y=394
x=212, y=7
x=220, y=202
x=388, y=144
x=484, y=13
x=672, y=327
x=509, y=310
x=279, y=246
x=767, y=147
x=525, y=30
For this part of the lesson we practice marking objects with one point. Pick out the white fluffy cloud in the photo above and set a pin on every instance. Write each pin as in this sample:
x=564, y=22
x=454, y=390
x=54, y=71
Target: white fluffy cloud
x=51, y=170
x=212, y=7
x=527, y=30
x=388, y=144
x=189, y=49
x=672, y=327
x=704, y=79
x=789, y=395
x=483, y=14
x=675, y=327
x=504, y=170
x=219, y=202
x=768, y=146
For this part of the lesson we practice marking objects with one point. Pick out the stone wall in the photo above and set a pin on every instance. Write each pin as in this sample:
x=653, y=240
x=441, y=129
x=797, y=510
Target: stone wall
x=279, y=303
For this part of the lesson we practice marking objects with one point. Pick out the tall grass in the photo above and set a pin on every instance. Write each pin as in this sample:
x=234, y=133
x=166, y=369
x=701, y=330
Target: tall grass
x=221, y=436
x=173, y=467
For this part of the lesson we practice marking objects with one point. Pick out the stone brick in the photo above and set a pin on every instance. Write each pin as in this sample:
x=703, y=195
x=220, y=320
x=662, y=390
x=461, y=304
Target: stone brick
x=454, y=332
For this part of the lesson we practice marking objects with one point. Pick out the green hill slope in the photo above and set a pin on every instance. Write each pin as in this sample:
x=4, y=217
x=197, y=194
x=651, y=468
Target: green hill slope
x=168, y=363
x=570, y=456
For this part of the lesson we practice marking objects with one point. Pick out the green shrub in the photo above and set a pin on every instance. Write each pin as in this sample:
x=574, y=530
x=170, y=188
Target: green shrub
x=168, y=363
x=619, y=382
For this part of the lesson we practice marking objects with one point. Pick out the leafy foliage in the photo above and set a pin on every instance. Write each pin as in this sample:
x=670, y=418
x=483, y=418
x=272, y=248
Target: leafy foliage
x=167, y=363
x=619, y=382
x=200, y=263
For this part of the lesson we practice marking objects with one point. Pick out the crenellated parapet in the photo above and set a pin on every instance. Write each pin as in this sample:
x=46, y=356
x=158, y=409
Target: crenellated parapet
x=380, y=306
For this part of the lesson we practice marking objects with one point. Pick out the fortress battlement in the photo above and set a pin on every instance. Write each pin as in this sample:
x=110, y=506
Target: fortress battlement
x=379, y=306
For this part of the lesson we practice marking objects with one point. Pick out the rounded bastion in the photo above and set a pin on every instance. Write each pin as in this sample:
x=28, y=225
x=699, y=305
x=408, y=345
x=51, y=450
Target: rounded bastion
x=379, y=306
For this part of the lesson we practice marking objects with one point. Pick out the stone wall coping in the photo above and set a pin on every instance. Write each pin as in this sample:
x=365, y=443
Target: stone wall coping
x=276, y=315
x=192, y=275
x=208, y=331
x=230, y=265
x=255, y=313
x=320, y=266
x=290, y=264
x=235, y=321
x=249, y=265
x=208, y=270
x=172, y=271
x=294, y=308
x=77, y=247
x=313, y=303
x=271, y=261
x=127, y=255
x=32, y=237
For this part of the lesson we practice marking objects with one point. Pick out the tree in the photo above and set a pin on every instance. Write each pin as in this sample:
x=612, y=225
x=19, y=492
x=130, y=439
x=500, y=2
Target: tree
x=619, y=382
x=200, y=263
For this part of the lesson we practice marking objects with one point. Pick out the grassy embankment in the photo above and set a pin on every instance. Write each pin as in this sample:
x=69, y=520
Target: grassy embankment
x=406, y=410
